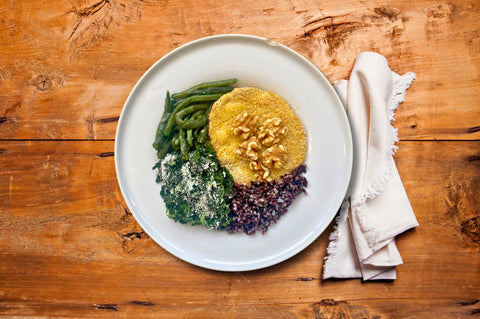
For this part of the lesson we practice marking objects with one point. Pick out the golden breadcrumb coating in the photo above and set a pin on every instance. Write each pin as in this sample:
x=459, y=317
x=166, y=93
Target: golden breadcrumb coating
x=265, y=105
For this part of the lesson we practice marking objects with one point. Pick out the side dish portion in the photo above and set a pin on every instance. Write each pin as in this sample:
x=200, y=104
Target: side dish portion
x=184, y=122
x=257, y=206
x=196, y=190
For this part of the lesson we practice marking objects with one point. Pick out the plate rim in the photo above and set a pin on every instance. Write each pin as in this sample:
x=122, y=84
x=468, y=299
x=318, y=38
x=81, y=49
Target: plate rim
x=254, y=265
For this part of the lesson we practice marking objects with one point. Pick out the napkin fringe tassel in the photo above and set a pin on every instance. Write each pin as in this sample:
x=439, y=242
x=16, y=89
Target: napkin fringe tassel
x=400, y=86
x=331, y=259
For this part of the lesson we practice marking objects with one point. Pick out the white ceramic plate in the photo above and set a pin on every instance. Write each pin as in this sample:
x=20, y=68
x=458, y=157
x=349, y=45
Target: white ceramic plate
x=257, y=62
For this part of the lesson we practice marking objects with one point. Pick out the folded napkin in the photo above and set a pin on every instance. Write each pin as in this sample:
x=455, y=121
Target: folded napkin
x=376, y=207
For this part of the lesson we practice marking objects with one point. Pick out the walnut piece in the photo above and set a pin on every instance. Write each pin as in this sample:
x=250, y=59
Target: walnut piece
x=261, y=172
x=249, y=149
x=245, y=125
x=272, y=131
x=274, y=156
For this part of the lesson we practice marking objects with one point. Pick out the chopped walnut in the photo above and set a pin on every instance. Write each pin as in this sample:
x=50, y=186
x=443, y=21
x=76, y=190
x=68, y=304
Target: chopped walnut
x=249, y=149
x=261, y=172
x=245, y=125
x=271, y=131
x=274, y=156
x=260, y=145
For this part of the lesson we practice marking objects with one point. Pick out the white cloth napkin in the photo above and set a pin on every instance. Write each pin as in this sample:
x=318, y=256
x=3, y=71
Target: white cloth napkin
x=376, y=207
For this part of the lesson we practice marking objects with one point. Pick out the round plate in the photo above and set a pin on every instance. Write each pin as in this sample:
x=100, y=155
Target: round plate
x=254, y=61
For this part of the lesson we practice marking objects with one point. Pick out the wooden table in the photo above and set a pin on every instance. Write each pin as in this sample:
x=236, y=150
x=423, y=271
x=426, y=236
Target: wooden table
x=71, y=248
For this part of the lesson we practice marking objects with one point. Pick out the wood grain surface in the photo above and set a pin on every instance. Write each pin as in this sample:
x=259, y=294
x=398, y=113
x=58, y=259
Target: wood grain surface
x=69, y=246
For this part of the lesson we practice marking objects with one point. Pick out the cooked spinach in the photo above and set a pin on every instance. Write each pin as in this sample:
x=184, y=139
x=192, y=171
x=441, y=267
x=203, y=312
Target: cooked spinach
x=196, y=189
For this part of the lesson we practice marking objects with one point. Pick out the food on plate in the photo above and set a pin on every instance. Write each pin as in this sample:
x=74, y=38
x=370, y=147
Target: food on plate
x=257, y=206
x=196, y=190
x=229, y=158
x=185, y=116
x=256, y=135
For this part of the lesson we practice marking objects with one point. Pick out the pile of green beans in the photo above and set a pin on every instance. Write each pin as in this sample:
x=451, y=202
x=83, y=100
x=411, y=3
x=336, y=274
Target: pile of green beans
x=184, y=122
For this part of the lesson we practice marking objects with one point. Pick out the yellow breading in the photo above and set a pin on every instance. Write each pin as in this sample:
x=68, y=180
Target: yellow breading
x=265, y=105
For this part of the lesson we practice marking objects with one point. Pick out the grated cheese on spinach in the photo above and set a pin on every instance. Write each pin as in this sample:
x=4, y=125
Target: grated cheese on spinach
x=196, y=190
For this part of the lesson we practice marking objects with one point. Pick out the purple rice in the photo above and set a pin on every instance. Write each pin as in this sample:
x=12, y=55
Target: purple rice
x=259, y=205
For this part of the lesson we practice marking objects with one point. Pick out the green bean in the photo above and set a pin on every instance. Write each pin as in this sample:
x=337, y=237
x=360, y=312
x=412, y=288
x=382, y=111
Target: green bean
x=176, y=141
x=161, y=142
x=191, y=124
x=202, y=135
x=181, y=118
x=184, y=103
x=159, y=136
x=203, y=85
x=209, y=90
x=197, y=114
x=183, y=145
x=160, y=139
x=194, y=108
x=165, y=148
x=190, y=137
x=168, y=102
x=207, y=111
